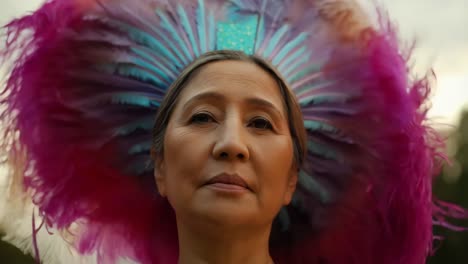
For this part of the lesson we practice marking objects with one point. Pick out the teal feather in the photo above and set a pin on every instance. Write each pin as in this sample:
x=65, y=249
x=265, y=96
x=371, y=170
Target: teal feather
x=127, y=129
x=176, y=37
x=157, y=70
x=115, y=98
x=292, y=58
x=298, y=201
x=201, y=26
x=298, y=40
x=188, y=29
x=140, y=165
x=314, y=125
x=310, y=183
x=134, y=99
x=260, y=36
x=128, y=98
x=147, y=40
x=133, y=71
x=305, y=89
x=306, y=76
x=274, y=41
x=325, y=98
x=304, y=59
x=321, y=150
x=211, y=31
x=141, y=147
x=165, y=66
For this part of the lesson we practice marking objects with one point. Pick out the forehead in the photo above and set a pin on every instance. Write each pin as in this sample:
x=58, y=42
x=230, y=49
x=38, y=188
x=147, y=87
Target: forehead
x=234, y=79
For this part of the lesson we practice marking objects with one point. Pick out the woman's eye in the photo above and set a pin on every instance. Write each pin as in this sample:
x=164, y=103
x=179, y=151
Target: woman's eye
x=261, y=123
x=201, y=118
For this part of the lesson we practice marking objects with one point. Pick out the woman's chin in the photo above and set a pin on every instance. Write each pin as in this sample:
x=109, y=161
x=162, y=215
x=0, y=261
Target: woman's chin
x=233, y=207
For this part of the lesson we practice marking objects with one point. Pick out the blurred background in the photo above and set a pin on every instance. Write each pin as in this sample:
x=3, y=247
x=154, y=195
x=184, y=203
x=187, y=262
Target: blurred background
x=441, y=34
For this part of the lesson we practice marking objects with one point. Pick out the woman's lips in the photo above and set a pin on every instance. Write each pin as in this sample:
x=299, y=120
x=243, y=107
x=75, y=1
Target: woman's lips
x=228, y=182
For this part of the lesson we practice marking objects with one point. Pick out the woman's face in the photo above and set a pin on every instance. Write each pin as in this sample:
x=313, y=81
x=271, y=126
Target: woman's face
x=228, y=152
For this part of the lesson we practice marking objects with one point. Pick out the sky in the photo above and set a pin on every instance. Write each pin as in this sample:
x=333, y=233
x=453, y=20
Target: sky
x=441, y=31
x=439, y=27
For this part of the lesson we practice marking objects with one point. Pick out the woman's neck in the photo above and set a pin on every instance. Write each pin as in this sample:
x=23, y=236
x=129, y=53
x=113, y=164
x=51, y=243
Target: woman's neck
x=223, y=246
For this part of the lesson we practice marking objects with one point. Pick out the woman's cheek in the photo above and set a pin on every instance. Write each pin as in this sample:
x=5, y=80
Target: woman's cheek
x=276, y=165
x=188, y=152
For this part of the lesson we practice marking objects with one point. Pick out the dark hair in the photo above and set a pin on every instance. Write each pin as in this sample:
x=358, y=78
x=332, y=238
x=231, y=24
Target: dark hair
x=294, y=115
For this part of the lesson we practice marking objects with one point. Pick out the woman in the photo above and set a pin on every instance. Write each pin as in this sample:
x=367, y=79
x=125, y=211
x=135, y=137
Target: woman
x=234, y=116
x=234, y=176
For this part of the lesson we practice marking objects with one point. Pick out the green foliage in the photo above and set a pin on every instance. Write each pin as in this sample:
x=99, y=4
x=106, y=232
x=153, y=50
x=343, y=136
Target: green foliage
x=11, y=255
x=452, y=186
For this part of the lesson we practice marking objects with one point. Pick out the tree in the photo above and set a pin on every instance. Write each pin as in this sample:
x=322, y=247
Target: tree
x=452, y=186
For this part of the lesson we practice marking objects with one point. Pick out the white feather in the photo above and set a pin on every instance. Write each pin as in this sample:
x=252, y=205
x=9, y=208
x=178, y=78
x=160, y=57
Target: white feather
x=16, y=222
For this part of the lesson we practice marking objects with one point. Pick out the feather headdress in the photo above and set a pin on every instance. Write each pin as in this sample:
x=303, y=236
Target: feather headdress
x=88, y=78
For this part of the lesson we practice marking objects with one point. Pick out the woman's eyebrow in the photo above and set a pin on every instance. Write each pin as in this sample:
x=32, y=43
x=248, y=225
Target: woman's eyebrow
x=262, y=103
x=220, y=98
x=204, y=96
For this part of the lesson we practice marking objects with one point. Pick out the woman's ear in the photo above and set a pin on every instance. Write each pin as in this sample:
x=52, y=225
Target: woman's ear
x=291, y=186
x=160, y=176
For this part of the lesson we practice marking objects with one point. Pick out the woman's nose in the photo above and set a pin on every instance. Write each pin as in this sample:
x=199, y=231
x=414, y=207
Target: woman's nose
x=231, y=142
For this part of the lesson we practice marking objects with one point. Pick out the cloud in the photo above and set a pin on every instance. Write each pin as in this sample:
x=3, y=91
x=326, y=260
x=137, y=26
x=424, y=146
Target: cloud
x=439, y=28
x=14, y=8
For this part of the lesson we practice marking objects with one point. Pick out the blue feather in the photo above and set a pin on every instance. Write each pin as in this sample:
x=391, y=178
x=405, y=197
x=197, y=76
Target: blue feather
x=115, y=83
x=201, y=26
x=260, y=32
x=133, y=99
x=314, y=125
x=133, y=71
x=177, y=39
x=305, y=58
x=298, y=40
x=145, y=124
x=211, y=31
x=273, y=42
x=325, y=98
x=188, y=29
x=147, y=40
x=321, y=150
x=309, y=183
x=139, y=165
x=169, y=70
x=115, y=98
x=308, y=71
x=159, y=73
x=143, y=147
x=292, y=58
x=312, y=86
